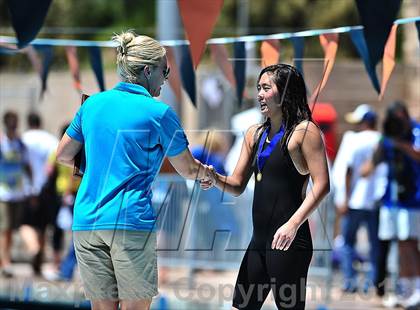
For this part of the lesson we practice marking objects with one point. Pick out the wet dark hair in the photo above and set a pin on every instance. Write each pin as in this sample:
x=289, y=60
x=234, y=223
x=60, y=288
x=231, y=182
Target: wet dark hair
x=293, y=99
x=393, y=124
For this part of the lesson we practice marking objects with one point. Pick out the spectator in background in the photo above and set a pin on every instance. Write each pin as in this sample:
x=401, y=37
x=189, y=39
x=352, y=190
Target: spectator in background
x=360, y=198
x=213, y=211
x=211, y=149
x=40, y=144
x=399, y=148
x=14, y=165
x=65, y=186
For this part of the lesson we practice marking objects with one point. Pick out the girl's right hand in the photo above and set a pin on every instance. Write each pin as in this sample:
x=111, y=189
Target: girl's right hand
x=210, y=179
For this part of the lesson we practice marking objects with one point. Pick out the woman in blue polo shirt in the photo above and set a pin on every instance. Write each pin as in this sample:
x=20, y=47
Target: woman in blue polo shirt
x=126, y=133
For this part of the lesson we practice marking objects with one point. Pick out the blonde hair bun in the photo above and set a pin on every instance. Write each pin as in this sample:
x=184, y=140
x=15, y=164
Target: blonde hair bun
x=134, y=52
x=122, y=41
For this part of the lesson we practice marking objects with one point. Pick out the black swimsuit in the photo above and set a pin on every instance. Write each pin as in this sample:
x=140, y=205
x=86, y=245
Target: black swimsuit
x=276, y=197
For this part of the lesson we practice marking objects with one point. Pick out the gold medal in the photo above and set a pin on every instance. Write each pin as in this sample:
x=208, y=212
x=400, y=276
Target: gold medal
x=259, y=176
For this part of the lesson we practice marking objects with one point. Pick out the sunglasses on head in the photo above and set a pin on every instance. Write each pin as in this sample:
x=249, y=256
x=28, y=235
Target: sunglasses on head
x=166, y=72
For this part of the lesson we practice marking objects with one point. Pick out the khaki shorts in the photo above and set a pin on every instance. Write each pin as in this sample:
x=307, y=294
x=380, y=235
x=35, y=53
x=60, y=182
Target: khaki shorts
x=117, y=265
x=11, y=214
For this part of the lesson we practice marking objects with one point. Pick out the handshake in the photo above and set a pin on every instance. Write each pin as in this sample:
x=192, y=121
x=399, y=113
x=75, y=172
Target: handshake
x=210, y=178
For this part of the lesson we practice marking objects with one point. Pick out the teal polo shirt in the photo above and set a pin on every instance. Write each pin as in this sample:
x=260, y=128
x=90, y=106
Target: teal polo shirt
x=126, y=134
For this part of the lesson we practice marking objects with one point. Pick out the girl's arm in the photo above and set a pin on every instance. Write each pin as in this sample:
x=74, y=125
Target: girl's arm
x=313, y=151
x=236, y=183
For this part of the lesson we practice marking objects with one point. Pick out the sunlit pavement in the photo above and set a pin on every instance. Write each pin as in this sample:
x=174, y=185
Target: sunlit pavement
x=208, y=290
x=216, y=289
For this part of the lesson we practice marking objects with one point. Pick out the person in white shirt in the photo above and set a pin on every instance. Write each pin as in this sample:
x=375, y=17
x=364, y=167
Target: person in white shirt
x=399, y=214
x=40, y=145
x=360, y=196
x=14, y=166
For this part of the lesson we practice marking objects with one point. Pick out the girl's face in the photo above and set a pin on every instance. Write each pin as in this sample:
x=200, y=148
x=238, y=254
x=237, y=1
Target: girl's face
x=268, y=96
x=158, y=76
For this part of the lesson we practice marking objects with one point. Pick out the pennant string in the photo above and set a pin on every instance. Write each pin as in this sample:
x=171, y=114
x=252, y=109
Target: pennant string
x=250, y=38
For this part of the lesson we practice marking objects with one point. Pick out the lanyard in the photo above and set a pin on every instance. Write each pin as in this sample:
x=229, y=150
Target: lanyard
x=262, y=156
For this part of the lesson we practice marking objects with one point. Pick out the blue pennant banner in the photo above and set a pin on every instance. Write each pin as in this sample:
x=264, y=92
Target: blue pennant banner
x=46, y=52
x=96, y=63
x=239, y=68
x=27, y=18
x=187, y=73
x=298, y=47
x=377, y=18
x=359, y=42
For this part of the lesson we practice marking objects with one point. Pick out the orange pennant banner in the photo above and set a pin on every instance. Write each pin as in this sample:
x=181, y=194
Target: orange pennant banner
x=329, y=43
x=270, y=52
x=174, y=78
x=199, y=18
x=220, y=55
x=388, y=61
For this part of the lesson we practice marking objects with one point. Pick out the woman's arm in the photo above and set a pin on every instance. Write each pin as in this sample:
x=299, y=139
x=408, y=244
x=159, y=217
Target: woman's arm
x=379, y=156
x=67, y=149
x=189, y=167
x=369, y=166
x=236, y=183
x=311, y=145
x=408, y=149
x=344, y=208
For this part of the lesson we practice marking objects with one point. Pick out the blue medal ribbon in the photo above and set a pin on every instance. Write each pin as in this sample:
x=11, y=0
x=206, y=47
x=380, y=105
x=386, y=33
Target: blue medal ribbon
x=262, y=156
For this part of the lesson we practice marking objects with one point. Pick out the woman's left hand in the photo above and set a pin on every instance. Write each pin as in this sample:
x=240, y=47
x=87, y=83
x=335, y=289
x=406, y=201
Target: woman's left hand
x=284, y=236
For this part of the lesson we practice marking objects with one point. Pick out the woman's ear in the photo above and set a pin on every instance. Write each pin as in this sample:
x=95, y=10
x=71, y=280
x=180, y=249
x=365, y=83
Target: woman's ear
x=147, y=72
